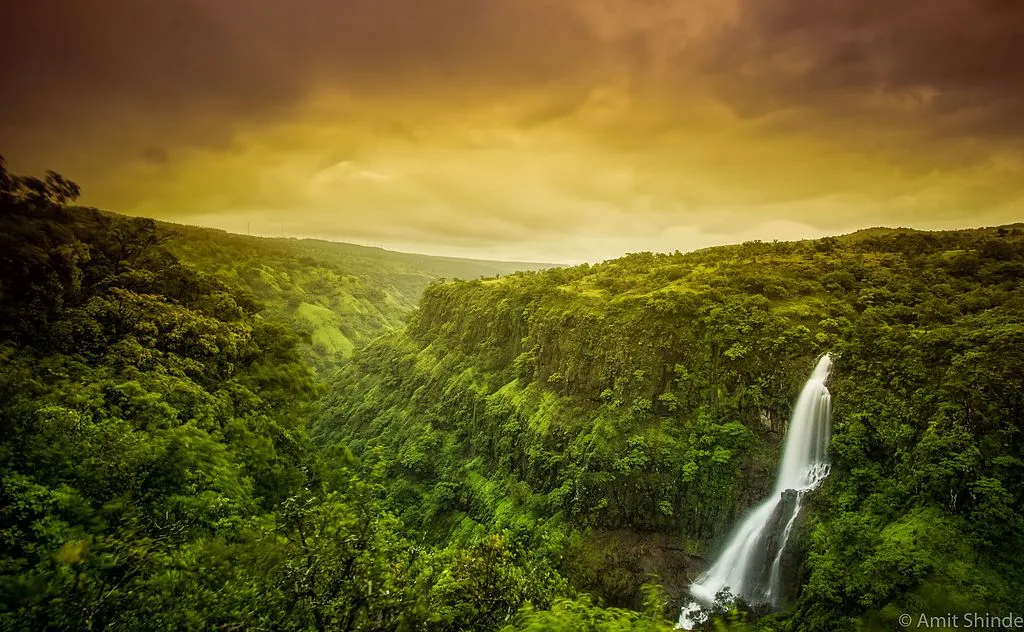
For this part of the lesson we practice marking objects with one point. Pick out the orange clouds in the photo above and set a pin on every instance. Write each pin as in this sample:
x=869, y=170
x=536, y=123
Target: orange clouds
x=525, y=128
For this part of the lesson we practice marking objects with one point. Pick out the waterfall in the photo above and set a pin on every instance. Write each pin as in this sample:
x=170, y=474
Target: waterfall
x=749, y=566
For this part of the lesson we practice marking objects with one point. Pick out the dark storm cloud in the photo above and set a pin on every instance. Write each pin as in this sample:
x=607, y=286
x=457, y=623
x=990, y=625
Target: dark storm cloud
x=602, y=126
x=263, y=52
x=957, y=62
x=196, y=70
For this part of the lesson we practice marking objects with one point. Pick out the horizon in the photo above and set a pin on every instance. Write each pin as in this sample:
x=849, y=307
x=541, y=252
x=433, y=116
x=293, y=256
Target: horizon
x=521, y=129
x=386, y=248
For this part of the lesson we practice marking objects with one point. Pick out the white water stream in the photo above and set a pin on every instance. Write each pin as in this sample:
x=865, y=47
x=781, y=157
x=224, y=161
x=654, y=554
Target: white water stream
x=744, y=567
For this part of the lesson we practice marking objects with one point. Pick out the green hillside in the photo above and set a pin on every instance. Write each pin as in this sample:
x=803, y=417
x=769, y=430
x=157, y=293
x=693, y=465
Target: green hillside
x=337, y=295
x=563, y=449
x=632, y=411
x=155, y=467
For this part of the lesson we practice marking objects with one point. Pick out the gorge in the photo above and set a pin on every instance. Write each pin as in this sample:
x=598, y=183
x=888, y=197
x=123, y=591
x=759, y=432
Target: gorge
x=302, y=436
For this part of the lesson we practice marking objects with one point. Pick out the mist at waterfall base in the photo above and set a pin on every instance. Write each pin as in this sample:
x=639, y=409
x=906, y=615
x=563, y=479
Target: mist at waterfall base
x=749, y=566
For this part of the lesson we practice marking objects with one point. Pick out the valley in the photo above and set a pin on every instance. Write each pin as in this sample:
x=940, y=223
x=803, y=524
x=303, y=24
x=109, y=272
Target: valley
x=301, y=435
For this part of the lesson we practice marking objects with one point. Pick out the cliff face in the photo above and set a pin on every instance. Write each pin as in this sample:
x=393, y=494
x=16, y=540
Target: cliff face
x=792, y=568
x=639, y=406
x=628, y=400
x=788, y=547
x=647, y=396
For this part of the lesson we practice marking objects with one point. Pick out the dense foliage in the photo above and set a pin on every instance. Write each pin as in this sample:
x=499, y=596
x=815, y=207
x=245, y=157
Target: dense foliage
x=610, y=408
x=339, y=295
x=154, y=467
x=555, y=450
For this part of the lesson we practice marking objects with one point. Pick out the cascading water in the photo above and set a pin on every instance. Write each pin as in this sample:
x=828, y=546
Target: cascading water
x=750, y=564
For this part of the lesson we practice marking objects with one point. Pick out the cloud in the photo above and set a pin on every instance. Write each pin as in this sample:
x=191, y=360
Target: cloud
x=555, y=128
x=155, y=155
x=951, y=63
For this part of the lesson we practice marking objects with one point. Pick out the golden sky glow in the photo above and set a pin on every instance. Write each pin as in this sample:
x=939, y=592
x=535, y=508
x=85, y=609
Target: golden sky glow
x=558, y=130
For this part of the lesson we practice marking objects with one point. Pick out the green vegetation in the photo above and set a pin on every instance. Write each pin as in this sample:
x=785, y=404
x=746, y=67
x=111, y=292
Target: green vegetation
x=155, y=472
x=606, y=407
x=338, y=295
x=555, y=450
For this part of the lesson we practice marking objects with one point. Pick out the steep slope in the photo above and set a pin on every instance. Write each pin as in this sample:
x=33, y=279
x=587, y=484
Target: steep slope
x=632, y=410
x=339, y=295
x=155, y=471
x=148, y=420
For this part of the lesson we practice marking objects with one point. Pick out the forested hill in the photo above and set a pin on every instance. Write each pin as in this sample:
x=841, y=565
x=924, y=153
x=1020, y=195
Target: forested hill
x=155, y=471
x=555, y=450
x=616, y=420
x=338, y=295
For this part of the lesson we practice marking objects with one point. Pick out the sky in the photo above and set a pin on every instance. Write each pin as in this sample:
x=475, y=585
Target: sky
x=544, y=130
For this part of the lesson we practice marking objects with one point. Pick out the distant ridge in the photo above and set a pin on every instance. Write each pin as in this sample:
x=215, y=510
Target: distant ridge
x=339, y=295
x=885, y=231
